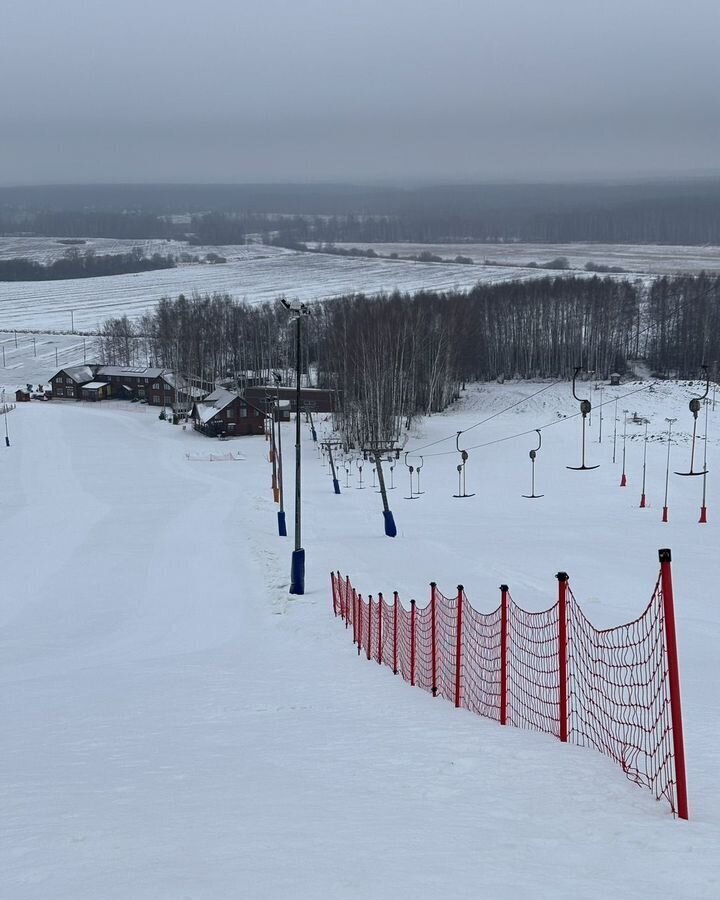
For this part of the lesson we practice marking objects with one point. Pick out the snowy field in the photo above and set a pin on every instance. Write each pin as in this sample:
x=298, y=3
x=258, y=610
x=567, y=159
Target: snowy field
x=643, y=259
x=33, y=358
x=254, y=273
x=175, y=725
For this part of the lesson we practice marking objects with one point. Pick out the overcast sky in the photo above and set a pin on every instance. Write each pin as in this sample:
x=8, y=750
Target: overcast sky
x=269, y=90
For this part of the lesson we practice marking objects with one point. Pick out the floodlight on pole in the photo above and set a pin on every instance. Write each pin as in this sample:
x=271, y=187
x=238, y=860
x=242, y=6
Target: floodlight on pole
x=297, y=569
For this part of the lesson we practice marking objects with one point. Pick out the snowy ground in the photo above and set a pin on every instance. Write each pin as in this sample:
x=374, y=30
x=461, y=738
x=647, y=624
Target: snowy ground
x=175, y=725
x=254, y=273
x=652, y=259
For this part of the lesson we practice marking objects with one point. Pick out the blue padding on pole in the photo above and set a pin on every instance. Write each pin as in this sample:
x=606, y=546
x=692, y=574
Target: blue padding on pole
x=282, y=527
x=297, y=572
x=336, y=485
x=390, y=529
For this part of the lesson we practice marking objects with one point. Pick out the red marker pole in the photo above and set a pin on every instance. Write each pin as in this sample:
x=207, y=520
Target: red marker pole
x=674, y=678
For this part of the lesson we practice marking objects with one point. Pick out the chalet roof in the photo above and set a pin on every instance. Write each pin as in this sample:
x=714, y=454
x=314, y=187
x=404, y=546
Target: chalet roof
x=94, y=385
x=214, y=403
x=132, y=371
x=79, y=374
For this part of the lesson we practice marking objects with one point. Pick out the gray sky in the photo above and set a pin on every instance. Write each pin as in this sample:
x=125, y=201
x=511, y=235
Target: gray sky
x=228, y=90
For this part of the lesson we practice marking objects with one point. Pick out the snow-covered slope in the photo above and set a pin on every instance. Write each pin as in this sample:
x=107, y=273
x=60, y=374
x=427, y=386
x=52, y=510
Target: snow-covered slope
x=175, y=725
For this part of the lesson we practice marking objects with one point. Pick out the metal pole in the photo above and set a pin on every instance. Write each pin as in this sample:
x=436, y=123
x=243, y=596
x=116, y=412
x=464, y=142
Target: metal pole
x=642, y=494
x=667, y=470
x=5, y=409
x=623, y=480
x=72, y=321
x=601, y=415
x=297, y=572
x=615, y=430
x=282, y=525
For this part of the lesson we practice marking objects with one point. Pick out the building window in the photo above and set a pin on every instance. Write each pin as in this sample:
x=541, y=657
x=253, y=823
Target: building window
x=156, y=386
x=59, y=379
x=156, y=398
x=230, y=414
x=243, y=412
x=60, y=392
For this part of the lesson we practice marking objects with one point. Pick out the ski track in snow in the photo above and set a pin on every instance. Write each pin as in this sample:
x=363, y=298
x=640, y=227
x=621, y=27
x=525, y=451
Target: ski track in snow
x=176, y=725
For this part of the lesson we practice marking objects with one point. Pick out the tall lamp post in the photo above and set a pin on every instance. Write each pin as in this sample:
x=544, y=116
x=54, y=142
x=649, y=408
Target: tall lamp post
x=297, y=568
x=282, y=527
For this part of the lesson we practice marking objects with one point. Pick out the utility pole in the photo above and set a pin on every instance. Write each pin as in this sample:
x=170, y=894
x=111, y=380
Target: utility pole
x=72, y=321
x=297, y=568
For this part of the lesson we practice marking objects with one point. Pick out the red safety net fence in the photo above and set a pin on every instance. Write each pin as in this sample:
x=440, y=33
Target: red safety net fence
x=615, y=689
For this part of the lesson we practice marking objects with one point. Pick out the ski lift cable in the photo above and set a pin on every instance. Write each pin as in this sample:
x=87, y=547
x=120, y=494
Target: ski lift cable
x=542, y=427
x=500, y=412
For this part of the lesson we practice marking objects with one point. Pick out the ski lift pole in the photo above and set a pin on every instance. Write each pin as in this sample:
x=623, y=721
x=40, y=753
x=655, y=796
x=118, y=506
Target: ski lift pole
x=615, y=429
x=623, y=480
x=336, y=483
x=667, y=470
x=359, y=465
x=390, y=527
x=282, y=524
x=5, y=410
x=645, y=443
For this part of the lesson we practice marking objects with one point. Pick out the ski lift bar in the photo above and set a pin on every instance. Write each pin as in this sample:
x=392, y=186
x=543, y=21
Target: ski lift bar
x=462, y=488
x=695, y=405
x=585, y=408
x=533, y=453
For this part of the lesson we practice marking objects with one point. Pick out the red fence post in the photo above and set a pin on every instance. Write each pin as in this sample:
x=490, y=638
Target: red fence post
x=347, y=600
x=359, y=621
x=355, y=617
x=334, y=595
x=396, y=601
x=503, y=651
x=562, y=578
x=433, y=635
x=412, y=643
x=458, y=645
x=674, y=676
x=369, y=628
x=380, y=615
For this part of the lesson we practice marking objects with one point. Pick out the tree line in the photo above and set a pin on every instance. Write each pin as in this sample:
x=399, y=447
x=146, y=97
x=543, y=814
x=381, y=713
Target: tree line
x=74, y=264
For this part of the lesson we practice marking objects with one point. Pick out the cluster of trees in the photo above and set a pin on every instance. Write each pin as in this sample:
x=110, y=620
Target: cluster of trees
x=393, y=357
x=666, y=212
x=74, y=264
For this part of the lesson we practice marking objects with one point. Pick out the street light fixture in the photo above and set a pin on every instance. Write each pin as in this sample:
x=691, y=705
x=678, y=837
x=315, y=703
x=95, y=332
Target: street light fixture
x=297, y=569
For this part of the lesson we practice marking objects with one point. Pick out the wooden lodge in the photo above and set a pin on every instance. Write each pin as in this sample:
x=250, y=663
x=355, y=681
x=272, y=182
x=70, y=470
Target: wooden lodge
x=225, y=413
x=314, y=400
x=154, y=386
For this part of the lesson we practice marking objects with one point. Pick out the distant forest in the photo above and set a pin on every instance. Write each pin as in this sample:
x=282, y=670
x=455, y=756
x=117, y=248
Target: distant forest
x=663, y=212
x=394, y=357
x=75, y=264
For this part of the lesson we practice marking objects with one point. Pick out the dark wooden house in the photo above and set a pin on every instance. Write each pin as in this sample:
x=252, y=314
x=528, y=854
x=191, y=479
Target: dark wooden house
x=226, y=413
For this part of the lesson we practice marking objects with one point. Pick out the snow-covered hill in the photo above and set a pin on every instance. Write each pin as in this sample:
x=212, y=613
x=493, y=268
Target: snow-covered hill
x=176, y=725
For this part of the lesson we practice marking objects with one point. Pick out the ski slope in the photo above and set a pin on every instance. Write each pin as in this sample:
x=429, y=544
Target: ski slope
x=176, y=725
